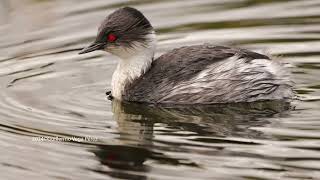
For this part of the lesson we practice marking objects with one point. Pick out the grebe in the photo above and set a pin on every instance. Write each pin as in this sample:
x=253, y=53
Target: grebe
x=199, y=74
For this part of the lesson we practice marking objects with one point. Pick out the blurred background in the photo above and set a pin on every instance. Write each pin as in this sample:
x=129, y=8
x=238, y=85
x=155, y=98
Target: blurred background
x=48, y=91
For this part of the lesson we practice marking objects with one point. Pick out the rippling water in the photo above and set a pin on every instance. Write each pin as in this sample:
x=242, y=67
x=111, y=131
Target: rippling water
x=56, y=122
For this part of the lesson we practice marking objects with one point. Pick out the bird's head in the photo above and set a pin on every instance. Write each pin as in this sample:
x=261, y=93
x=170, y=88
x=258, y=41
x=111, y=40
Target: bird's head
x=123, y=33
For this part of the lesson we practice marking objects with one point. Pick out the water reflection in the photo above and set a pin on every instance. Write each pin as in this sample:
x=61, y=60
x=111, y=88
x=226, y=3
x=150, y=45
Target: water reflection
x=138, y=120
x=138, y=125
x=125, y=159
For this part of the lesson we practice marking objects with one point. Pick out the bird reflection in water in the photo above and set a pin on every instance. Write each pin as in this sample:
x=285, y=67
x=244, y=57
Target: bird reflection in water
x=138, y=124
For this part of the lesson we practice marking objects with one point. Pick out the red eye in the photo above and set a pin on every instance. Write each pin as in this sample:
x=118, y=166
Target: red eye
x=112, y=37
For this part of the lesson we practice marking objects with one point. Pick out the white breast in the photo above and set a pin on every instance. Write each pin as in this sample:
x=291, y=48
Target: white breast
x=133, y=64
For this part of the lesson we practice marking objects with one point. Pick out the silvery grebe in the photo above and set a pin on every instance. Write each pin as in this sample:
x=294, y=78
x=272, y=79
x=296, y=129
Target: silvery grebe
x=199, y=74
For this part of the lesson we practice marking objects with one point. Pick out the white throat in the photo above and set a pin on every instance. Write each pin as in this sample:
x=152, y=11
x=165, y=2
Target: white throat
x=133, y=64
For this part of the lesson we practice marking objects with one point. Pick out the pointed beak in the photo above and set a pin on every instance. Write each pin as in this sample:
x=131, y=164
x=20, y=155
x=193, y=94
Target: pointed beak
x=93, y=47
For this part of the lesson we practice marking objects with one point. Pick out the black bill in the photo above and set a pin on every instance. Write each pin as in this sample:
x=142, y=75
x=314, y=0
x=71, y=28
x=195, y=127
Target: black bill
x=92, y=47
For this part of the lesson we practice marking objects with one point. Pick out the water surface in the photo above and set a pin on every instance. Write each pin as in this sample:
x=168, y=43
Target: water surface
x=56, y=122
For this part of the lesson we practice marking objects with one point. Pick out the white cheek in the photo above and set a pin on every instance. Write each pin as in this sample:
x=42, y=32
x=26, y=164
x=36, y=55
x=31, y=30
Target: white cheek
x=112, y=49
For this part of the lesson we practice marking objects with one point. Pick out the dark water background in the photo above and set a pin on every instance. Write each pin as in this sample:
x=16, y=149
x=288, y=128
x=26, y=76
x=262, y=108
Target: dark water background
x=48, y=91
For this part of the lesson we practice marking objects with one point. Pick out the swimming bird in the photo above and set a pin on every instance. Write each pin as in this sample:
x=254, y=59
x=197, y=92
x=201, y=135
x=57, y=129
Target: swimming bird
x=197, y=74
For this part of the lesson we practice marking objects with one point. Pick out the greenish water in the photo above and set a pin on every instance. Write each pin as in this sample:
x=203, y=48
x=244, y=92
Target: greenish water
x=56, y=123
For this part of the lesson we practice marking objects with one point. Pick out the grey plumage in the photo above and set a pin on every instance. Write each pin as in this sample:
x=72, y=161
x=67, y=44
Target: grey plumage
x=230, y=77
